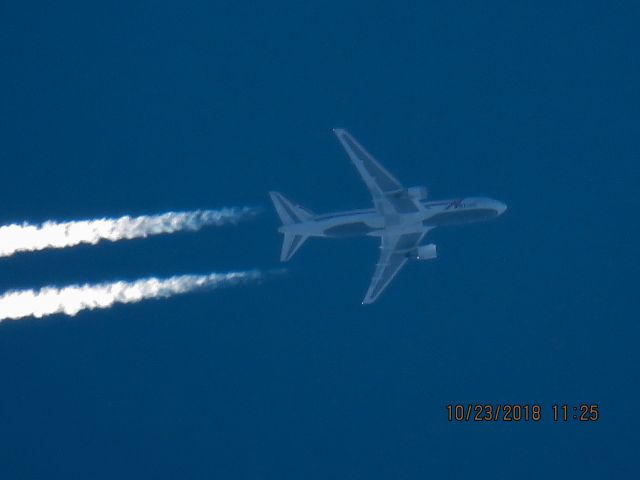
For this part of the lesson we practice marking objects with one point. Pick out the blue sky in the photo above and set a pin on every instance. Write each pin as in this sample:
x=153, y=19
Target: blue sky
x=156, y=106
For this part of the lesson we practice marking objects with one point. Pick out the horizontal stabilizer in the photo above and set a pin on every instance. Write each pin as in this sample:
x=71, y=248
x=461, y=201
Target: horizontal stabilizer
x=288, y=212
x=290, y=245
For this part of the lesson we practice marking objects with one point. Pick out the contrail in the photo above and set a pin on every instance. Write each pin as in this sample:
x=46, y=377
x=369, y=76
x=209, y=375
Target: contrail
x=72, y=299
x=29, y=238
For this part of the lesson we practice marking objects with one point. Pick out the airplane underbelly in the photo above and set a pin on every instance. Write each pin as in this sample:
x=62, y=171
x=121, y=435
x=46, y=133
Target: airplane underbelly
x=458, y=217
x=349, y=229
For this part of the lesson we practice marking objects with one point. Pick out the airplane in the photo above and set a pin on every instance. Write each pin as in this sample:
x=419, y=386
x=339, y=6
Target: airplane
x=401, y=217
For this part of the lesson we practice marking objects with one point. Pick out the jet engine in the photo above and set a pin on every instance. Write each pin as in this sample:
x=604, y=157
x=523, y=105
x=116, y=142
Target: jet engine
x=426, y=252
x=417, y=193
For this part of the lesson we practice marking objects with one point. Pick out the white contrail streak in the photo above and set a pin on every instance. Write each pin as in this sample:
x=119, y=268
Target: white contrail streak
x=29, y=238
x=70, y=300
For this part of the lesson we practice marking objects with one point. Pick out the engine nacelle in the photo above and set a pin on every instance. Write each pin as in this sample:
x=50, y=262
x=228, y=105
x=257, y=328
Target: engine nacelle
x=426, y=252
x=417, y=193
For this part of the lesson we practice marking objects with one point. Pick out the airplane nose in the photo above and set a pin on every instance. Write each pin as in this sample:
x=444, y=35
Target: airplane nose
x=501, y=207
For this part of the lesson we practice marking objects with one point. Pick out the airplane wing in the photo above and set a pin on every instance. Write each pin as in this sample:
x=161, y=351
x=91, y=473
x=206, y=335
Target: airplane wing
x=389, y=196
x=393, y=256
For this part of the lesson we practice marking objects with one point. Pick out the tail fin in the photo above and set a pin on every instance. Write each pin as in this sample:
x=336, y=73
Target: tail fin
x=290, y=214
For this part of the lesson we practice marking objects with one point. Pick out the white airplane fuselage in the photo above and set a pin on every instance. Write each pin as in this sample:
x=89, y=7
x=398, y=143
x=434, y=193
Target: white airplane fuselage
x=371, y=222
x=401, y=218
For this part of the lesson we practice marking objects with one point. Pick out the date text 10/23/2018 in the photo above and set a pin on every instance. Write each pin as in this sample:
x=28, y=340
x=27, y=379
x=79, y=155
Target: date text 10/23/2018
x=486, y=412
